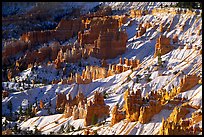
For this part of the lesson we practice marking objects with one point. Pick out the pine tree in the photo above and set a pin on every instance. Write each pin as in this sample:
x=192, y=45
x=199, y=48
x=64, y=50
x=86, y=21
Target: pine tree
x=20, y=110
x=72, y=128
x=95, y=132
x=15, y=128
x=10, y=107
x=159, y=59
x=79, y=128
x=36, y=131
x=67, y=130
x=94, y=119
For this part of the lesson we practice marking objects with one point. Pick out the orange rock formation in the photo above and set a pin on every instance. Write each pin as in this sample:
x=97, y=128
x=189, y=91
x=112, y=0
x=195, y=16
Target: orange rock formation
x=95, y=72
x=79, y=109
x=177, y=124
x=97, y=108
x=117, y=115
x=137, y=13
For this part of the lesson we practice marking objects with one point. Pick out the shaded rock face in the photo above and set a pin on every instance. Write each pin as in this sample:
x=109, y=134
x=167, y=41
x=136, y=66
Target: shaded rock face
x=103, y=11
x=162, y=46
x=117, y=115
x=12, y=48
x=103, y=35
x=110, y=44
x=65, y=30
x=188, y=82
x=94, y=27
x=60, y=102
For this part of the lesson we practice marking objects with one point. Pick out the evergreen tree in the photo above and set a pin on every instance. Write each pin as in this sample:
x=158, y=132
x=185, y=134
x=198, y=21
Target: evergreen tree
x=67, y=130
x=48, y=111
x=36, y=131
x=10, y=107
x=137, y=80
x=94, y=119
x=79, y=128
x=72, y=128
x=95, y=132
x=15, y=128
x=20, y=110
x=61, y=129
x=159, y=59
x=5, y=123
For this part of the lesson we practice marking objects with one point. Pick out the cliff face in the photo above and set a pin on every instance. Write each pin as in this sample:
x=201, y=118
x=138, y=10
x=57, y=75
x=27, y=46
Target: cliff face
x=12, y=48
x=65, y=30
x=110, y=44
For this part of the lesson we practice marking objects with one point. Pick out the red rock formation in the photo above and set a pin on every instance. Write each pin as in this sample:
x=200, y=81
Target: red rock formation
x=162, y=46
x=60, y=102
x=137, y=109
x=147, y=112
x=78, y=108
x=97, y=25
x=132, y=101
x=65, y=30
x=59, y=60
x=175, y=125
x=188, y=82
x=88, y=132
x=110, y=44
x=13, y=47
x=140, y=32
